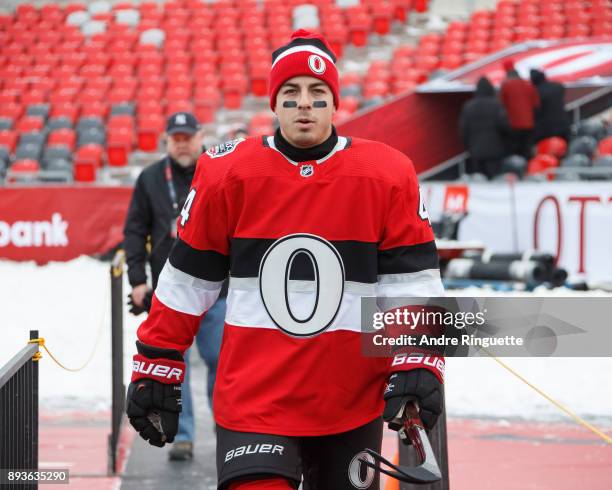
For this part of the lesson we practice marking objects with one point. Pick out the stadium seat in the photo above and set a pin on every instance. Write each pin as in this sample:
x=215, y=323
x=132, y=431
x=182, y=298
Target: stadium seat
x=150, y=127
x=541, y=163
x=382, y=14
x=62, y=137
x=59, y=122
x=88, y=122
x=11, y=111
x=5, y=156
x=554, y=146
x=95, y=109
x=38, y=110
x=603, y=161
x=123, y=108
x=119, y=145
x=23, y=170
x=591, y=127
x=576, y=160
x=584, y=145
x=8, y=140
x=91, y=135
x=87, y=160
x=54, y=153
x=28, y=151
x=515, y=164
x=6, y=123
x=605, y=146
x=65, y=110
x=33, y=137
x=29, y=123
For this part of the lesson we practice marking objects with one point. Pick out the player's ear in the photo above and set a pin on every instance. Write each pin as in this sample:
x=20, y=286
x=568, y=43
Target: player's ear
x=164, y=140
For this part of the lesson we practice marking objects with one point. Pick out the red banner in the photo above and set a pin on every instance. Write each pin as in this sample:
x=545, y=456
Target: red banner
x=61, y=223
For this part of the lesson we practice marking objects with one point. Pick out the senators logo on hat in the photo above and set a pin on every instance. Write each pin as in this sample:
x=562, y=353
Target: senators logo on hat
x=316, y=64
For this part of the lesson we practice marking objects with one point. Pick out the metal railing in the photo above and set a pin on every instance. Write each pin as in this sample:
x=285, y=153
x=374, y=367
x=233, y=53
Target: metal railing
x=118, y=388
x=19, y=412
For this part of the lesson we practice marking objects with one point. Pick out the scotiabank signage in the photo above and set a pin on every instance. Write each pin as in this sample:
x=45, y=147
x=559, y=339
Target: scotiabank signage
x=61, y=223
x=572, y=221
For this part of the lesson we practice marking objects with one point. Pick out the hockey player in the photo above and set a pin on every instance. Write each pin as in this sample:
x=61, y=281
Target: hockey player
x=307, y=223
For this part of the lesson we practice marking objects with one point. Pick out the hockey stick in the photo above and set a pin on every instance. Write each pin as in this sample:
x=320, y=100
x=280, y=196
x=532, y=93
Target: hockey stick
x=412, y=431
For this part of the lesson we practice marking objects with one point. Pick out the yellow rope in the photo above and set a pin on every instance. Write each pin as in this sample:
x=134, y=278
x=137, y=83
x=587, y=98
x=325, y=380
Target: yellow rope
x=41, y=343
x=557, y=404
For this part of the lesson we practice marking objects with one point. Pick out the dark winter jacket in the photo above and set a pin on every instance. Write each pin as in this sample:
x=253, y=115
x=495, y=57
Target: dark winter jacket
x=483, y=123
x=551, y=118
x=520, y=98
x=151, y=213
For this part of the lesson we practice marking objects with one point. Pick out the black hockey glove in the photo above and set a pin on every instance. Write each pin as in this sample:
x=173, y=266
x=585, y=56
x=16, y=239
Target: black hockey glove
x=420, y=385
x=146, y=304
x=154, y=395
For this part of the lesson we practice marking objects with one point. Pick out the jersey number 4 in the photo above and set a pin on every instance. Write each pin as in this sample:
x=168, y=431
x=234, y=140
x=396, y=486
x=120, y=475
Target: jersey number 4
x=187, y=206
x=274, y=285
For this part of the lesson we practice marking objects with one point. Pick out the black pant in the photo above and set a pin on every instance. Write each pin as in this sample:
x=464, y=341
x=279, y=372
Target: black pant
x=323, y=462
x=519, y=142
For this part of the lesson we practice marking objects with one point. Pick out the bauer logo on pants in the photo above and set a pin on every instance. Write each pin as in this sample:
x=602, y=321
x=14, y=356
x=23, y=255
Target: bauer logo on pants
x=254, y=449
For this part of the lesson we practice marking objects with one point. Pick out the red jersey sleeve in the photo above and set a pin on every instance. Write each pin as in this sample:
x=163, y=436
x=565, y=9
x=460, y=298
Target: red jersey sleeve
x=408, y=261
x=407, y=254
x=191, y=279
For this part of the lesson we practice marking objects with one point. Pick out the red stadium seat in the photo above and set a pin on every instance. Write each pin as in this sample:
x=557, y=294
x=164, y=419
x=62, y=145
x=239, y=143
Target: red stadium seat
x=8, y=139
x=119, y=143
x=150, y=107
x=359, y=27
x=30, y=124
x=33, y=97
x=25, y=167
x=259, y=74
x=62, y=137
x=65, y=109
x=541, y=163
x=178, y=106
x=45, y=85
x=84, y=171
x=11, y=111
x=451, y=61
x=421, y=6
x=95, y=108
x=63, y=95
x=552, y=146
x=149, y=129
x=605, y=146
x=382, y=13
x=11, y=97
x=90, y=154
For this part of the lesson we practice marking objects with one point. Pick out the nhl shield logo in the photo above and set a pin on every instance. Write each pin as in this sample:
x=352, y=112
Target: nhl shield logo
x=306, y=170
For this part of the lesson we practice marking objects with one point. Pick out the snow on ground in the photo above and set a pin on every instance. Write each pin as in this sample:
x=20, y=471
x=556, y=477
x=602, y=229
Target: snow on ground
x=69, y=303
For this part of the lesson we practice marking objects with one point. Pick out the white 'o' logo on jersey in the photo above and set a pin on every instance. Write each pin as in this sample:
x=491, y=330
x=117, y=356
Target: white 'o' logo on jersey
x=355, y=471
x=317, y=64
x=274, y=285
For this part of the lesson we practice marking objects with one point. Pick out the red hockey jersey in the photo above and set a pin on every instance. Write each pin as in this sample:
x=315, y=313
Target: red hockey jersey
x=303, y=243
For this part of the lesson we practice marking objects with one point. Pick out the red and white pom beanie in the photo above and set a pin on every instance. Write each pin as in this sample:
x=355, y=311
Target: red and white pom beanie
x=306, y=54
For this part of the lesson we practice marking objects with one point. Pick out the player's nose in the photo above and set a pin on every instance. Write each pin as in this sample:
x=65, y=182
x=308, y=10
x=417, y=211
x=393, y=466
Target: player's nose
x=304, y=100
